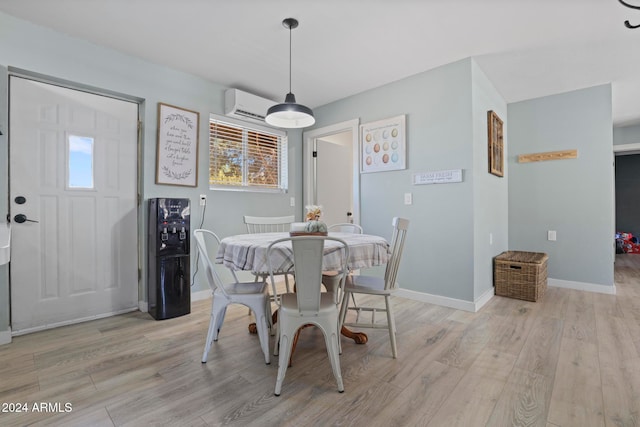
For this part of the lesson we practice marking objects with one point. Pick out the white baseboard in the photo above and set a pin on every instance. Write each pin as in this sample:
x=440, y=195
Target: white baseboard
x=582, y=286
x=5, y=336
x=458, y=304
x=486, y=297
x=71, y=322
x=200, y=295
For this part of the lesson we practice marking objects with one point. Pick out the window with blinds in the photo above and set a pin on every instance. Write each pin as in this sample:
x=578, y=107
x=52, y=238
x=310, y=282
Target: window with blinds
x=243, y=157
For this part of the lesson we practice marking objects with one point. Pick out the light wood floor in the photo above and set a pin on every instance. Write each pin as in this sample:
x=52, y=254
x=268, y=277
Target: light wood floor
x=571, y=359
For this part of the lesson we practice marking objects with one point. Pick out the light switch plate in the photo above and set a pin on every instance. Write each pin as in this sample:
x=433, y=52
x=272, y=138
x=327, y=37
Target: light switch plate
x=551, y=235
x=408, y=198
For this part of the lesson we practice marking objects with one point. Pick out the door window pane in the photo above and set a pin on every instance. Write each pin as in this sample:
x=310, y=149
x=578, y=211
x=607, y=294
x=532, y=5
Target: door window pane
x=80, y=161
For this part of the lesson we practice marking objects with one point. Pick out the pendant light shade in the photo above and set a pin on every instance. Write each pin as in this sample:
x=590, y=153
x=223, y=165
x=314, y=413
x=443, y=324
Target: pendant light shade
x=290, y=114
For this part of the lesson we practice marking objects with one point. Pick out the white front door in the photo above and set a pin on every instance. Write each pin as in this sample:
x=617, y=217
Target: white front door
x=72, y=195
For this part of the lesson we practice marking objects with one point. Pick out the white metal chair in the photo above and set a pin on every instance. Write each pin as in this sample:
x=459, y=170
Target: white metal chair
x=379, y=286
x=254, y=295
x=308, y=305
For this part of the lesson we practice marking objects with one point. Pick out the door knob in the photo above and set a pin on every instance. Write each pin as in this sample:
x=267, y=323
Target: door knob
x=20, y=218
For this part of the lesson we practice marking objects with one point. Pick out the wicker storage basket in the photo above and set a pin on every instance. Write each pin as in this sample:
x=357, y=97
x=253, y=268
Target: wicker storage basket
x=521, y=275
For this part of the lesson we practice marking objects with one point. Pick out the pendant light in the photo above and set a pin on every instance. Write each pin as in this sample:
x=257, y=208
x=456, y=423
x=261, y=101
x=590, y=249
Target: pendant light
x=290, y=114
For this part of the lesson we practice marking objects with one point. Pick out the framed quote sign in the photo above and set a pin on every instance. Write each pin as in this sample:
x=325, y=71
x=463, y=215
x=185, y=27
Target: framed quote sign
x=177, y=162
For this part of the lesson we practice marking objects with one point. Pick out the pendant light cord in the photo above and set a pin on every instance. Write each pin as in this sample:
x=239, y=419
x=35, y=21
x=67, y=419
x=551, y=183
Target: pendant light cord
x=289, y=58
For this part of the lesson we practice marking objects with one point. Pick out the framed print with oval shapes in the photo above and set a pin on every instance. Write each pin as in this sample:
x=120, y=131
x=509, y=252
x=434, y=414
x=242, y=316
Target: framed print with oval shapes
x=383, y=145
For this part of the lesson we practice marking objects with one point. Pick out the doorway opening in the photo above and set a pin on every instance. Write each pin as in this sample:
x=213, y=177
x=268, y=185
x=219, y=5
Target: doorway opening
x=331, y=172
x=627, y=212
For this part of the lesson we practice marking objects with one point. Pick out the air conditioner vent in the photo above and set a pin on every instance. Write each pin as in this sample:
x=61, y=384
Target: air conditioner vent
x=249, y=114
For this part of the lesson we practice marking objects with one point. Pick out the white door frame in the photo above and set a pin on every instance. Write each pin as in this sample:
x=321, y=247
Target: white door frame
x=17, y=72
x=309, y=164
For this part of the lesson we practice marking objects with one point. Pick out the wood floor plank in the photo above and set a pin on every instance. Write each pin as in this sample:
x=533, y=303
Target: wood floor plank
x=580, y=321
x=542, y=347
x=422, y=398
x=578, y=369
x=524, y=401
x=511, y=328
x=464, y=350
x=470, y=403
x=621, y=391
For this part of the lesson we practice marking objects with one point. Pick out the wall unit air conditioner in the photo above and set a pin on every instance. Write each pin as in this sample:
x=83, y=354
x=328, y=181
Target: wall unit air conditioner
x=246, y=106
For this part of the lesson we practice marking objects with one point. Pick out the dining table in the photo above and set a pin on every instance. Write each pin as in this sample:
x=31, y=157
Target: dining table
x=248, y=252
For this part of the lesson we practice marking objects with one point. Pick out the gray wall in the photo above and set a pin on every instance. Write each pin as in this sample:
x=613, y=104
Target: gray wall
x=490, y=192
x=40, y=50
x=446, y=129
x=573, y=197
x=628, y=194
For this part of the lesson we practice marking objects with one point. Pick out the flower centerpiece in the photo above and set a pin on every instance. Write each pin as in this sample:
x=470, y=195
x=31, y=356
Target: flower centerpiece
x=312, y=219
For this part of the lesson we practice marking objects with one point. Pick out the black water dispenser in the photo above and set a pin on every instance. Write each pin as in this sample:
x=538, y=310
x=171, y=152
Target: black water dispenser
x=169, y=293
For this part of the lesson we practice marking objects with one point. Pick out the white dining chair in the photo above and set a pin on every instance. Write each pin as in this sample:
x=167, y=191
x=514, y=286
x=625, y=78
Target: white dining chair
x=268, y=224
x=308, y=305
x=254, y=295
x=346, y=227
x=378, y=286
x=328, y=277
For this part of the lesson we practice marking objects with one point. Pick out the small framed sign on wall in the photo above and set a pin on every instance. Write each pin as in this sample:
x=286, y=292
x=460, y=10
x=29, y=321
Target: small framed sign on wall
x=496, y=144
x=177, y=162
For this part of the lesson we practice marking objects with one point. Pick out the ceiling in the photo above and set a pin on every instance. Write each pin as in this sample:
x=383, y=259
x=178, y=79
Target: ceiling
x=527, y=48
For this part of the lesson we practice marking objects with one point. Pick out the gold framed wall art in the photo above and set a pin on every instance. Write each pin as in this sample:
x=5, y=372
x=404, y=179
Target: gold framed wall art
x=496, y=144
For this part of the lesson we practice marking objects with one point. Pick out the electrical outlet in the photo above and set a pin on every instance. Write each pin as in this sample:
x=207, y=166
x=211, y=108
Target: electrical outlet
x=203, y=199
x=292, y=201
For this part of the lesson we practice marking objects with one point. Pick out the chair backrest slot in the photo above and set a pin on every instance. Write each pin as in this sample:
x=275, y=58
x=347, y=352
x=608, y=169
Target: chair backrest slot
x=268, y=224
x=400, y=226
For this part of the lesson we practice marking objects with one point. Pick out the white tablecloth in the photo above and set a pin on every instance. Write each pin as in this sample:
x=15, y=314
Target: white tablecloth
x=248, y=252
